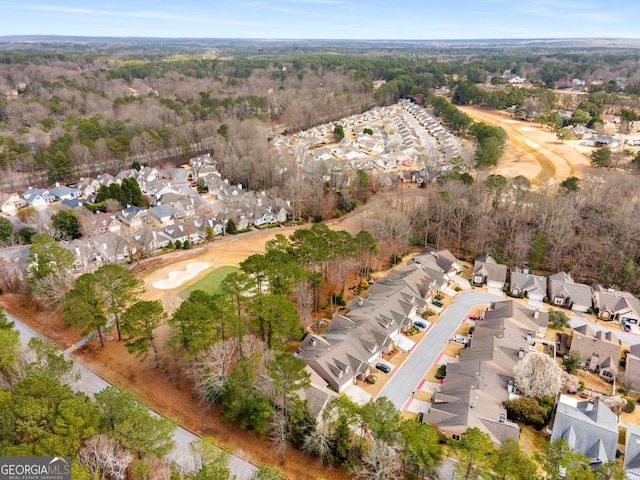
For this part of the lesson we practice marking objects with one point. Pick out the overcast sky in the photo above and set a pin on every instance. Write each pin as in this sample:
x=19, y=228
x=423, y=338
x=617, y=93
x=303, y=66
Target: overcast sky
x=325, y=19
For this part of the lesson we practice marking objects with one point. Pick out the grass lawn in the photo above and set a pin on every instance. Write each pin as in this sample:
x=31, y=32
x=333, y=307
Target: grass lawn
x=210, y=283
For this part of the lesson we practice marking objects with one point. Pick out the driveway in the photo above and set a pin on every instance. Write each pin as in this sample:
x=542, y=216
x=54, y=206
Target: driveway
x=405, y=381
x=91, y=383
x=180, y=180
x=626, y=337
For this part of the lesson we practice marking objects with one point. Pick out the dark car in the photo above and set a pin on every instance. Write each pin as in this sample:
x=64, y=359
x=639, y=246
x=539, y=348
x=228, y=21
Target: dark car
x=420, y=325
x=438, y=303
x=383, y=367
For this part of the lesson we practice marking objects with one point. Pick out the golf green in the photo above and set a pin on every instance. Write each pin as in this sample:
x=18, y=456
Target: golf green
x=210, y=283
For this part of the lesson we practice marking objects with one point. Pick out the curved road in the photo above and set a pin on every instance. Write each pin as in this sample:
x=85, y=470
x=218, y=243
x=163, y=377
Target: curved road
x=91, y=383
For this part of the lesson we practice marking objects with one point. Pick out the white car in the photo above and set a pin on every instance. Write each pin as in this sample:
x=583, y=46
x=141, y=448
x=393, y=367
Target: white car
x=460, y=339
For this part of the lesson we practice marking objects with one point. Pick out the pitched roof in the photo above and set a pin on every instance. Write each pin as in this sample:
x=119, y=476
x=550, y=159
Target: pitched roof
x=616, y=301
x=488, y=267
x=632, y=450
x=476, y=386
x=528, y=282
x=589, y=427
x=561, y=283
x=602, y=343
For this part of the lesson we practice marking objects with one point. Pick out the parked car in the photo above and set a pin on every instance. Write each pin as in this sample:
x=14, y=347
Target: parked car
x=460, y=339
x=475, y=317
x=383, y=367
x=421, y=325
x=438, y=303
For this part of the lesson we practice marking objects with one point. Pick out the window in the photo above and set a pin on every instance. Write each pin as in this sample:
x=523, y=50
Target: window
x=455, y=436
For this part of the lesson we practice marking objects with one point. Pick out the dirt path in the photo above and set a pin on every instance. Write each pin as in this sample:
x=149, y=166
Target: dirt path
x=534, y=151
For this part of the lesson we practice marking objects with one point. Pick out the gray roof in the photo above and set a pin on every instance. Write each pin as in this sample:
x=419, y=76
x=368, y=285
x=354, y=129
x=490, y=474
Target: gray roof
x=476, y=387
x=589, y=427
x=161, y=211
x=488, y=267
x=63, y=190
x=632, y=450
x=562, y=284
x=616, y=301
x=602, y=343
x=528, y=282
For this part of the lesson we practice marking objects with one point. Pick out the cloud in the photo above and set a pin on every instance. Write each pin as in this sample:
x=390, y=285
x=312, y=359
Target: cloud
x=148, y=15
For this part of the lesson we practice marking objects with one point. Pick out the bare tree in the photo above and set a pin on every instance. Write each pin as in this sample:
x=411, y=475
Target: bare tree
x=212, y=372
x=105, y=457
x=278, y=433
x=380, y=462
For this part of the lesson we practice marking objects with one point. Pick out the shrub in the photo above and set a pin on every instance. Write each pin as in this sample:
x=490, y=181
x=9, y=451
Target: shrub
x=571, y=362
x=630, y=407
x=528, y=411
x=558, y=319
x=570, y=383
x=442, y=372
x=581, y=387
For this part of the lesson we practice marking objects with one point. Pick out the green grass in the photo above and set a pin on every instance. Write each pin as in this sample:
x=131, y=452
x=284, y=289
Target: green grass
x=210, y=283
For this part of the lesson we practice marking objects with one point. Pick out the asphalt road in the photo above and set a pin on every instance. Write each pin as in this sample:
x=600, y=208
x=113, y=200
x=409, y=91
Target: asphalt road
x=433, y=153
x=406, y=379
x=91, y=383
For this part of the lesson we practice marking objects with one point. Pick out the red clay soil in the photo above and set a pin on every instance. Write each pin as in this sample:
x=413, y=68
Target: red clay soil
x=174, y=400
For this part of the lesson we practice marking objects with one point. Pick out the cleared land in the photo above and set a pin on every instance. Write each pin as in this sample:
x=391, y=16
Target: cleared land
x=534, y=151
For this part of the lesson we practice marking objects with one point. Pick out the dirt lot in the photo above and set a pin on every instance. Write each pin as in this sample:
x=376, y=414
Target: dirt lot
x=534, y=151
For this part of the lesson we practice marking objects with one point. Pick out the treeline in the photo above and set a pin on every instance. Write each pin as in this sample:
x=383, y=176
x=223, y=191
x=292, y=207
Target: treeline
x=489, y=140
x=585, y=226
x=152, y=107
x=42, y=415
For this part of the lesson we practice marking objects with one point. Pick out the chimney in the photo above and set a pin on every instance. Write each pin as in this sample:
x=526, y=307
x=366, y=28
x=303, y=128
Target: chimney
x=536, y=314
x=530, y=338
x=525, y=270
x=57, y=184
x=590, y=405
x=521, y=353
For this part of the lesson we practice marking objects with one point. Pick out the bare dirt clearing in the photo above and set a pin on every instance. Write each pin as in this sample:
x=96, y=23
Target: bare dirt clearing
x=534, y=151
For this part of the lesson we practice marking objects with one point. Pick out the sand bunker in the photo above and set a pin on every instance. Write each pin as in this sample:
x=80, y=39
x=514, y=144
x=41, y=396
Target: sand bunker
x=178, y=277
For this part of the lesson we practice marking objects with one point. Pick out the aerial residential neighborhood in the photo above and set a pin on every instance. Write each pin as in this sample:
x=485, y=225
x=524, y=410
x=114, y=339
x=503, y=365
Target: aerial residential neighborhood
x=319, y=240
